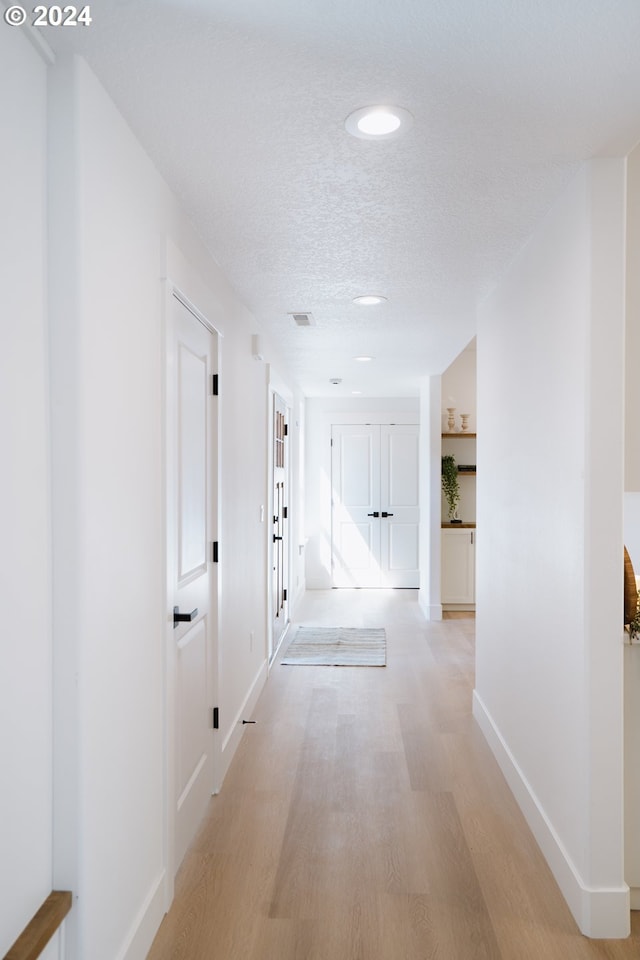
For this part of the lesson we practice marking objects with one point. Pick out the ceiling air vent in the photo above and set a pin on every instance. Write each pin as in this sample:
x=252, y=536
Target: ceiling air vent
x=303, y=319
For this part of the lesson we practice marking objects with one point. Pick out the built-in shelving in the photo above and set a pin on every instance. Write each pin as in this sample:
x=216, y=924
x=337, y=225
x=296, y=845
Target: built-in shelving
x=459, y=539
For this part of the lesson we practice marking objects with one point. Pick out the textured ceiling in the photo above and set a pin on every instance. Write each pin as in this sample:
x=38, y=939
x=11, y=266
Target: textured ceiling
x=241, y=104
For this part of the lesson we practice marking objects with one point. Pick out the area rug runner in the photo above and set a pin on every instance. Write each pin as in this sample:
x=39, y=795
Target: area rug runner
x=337, y=647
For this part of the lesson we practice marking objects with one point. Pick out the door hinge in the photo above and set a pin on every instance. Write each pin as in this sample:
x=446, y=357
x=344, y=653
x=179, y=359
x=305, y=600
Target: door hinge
x=216, y=718
x=284, y=513
x=284, y=596
x=214, y=384
x=286, y=429
x=214, y=551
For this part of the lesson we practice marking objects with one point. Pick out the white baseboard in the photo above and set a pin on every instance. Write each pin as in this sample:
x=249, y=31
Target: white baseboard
x=432, y=611
x=232, y=740
x=602, y=912
x=283, y=637
x=145, y=926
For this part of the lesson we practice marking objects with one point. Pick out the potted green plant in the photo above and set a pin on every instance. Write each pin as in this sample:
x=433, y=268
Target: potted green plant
x=451, y=486
x=634, y=624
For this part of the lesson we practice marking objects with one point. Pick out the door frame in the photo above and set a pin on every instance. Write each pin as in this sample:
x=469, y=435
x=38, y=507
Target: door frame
x=173, y=292
x=274, y=391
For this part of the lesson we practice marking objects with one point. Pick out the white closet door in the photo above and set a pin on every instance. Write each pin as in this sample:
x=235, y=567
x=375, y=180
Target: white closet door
x=399, y=498
x=375, y=509
x=355, y=480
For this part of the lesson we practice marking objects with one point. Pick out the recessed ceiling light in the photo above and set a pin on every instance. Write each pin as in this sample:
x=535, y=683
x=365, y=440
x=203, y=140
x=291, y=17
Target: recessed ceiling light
x=369, y=300
x=363, y=359
x=356, y=393
x=378, y=122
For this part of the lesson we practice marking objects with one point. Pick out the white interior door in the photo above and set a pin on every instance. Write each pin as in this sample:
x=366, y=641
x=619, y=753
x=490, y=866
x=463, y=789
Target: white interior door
x=191, y=582
x=375, y=505
x=355, y=503
x=280, y=518
x=399, y=499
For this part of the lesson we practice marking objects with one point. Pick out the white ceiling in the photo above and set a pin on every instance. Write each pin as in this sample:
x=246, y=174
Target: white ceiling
x=241, y=104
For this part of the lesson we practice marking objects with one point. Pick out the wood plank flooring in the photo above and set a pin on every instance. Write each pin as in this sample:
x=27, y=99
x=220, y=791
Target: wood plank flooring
x=364, y=818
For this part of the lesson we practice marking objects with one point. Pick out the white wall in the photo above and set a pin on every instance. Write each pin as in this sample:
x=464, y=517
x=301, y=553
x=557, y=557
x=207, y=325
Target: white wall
x=430, y=596
x=632, y=528
x=108, y=509
x=632, y=364
x=320, y=413
x=549, y=651
x=116, y=233
x=632, y=525
x=632, y=330
x=25, y=562
x=459, y=388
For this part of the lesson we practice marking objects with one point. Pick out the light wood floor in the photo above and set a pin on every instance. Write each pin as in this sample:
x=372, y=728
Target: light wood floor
x=364, y=818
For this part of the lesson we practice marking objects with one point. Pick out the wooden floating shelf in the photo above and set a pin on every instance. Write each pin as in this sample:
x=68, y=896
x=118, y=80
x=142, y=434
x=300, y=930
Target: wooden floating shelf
x=458, y=435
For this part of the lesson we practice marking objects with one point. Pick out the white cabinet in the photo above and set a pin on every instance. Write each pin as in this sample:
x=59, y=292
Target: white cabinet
x=458, y=566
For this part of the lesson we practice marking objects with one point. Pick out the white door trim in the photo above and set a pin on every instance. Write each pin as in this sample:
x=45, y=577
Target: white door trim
x=176, y=292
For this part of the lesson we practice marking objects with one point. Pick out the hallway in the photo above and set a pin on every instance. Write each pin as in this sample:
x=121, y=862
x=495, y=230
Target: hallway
x=364, y=818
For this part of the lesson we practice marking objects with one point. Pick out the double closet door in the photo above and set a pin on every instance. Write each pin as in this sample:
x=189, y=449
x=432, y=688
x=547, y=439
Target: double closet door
x=375, y=505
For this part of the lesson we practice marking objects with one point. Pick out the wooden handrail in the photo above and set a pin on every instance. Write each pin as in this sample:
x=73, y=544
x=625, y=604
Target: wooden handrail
x=41, y=927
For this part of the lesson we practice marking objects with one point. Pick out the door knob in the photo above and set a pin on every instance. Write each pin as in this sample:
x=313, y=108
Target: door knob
x=183, y=617
x=385, y=514
x=374, y=514
x=276, y=538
